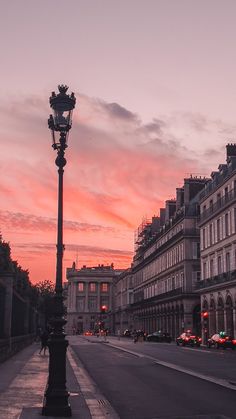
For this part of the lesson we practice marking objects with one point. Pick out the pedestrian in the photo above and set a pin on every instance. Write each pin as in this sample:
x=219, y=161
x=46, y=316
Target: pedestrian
x=44, y=342
x=118, y=334
x=135, y=336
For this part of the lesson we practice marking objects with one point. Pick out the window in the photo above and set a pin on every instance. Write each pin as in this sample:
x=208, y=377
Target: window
x=104, y=287
x=92, y=286
x=195, y=250
x=211, y=234
x=211, y=268
x=196, y=276
x=92, y=303
x=80, y=286
x=226, y=224
x=204, y=238
x=80, y=304
x=211, y=205
x=219, y=265
x=226, y=194
x=227, y=262
x=204, y=270
x=218, y=229
x=198, y=250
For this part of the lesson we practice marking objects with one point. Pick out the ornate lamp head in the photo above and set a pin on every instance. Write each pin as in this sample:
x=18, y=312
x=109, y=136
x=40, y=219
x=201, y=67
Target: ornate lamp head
x=62, y=105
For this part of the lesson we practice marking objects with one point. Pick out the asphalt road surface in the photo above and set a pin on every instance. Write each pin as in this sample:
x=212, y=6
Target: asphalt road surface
x=156, y=380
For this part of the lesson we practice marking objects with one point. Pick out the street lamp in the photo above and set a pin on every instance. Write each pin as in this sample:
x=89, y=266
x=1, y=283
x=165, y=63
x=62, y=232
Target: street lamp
x=56, y=395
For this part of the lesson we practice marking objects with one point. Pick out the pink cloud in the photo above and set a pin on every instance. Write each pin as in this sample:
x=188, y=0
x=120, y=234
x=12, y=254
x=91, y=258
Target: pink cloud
x=118, y=170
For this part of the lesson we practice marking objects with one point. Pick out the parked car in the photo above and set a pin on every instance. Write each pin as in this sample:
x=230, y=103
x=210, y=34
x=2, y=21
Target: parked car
x=88, y=333
x=127, y=333
x=221, y=340
x=187, y=338
x=159, y=337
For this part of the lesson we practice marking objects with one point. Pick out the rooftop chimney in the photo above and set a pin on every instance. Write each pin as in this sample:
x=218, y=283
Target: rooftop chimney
x=170, y=209
x=179, y=198
x=231, y=150
x=162, y=216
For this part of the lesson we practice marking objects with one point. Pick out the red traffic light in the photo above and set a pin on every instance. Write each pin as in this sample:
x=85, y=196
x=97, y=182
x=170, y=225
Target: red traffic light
x=205, y=314
x=104, y=309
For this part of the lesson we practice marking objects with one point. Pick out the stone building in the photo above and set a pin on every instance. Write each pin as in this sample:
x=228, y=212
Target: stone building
x=166, y=266
x=123, y=298
x=89, y=290
x=217, y=287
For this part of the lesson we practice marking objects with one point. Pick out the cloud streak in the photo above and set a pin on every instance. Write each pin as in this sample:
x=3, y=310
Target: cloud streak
x=34, y=223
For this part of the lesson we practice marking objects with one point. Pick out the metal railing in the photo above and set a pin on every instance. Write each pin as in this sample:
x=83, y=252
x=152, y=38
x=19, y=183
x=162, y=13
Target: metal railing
x=217, y=279
x=218, y=205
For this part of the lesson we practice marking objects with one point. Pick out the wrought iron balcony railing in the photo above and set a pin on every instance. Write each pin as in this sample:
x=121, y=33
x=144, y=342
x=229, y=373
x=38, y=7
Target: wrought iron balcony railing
x=218, y=279
x=218, y=205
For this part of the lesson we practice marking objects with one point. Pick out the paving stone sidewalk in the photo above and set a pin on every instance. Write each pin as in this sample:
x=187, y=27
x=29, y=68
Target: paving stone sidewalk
x=23, y=380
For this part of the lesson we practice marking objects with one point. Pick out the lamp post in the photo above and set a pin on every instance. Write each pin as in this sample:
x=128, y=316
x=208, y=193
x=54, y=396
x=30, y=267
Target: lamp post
x=56, y=395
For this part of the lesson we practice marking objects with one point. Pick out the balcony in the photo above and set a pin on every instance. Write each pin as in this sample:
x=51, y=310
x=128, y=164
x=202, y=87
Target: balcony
x=218, y=206
x=215, y=280
x=169, y=294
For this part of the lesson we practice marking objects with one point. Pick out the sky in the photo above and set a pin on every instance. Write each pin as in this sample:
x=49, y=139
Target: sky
x=156, y=102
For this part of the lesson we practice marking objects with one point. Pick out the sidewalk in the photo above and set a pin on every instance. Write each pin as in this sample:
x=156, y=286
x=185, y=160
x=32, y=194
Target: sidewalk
x=23, y=380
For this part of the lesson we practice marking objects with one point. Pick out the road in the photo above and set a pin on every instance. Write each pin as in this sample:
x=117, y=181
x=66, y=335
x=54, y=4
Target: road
x=158, y=380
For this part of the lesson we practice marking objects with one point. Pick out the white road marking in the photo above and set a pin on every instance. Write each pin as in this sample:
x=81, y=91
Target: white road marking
x=218, y=381
x=198, y=350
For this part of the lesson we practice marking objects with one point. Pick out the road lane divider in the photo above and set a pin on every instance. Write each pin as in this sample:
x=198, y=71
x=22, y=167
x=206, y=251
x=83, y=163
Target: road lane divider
x=214, y=380
x=218, y=381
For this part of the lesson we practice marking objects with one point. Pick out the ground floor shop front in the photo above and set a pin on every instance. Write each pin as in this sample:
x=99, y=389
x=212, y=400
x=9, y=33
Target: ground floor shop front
x=173, y=315
x=219, y=305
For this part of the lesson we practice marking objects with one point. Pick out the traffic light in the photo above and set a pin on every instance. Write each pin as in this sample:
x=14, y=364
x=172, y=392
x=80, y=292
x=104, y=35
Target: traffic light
x=103, y=309
x=205, y=319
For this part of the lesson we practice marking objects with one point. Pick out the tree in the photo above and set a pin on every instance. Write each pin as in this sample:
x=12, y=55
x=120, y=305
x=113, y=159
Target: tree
x=45, y=292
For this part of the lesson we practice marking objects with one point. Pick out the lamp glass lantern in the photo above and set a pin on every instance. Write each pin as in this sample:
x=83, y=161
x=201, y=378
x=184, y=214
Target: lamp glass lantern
x=60, y=120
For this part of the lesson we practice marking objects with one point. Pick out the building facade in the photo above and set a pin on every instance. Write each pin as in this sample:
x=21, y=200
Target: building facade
x=90, y=298
x=166, y=266
x=123, y=298
x=217, y=287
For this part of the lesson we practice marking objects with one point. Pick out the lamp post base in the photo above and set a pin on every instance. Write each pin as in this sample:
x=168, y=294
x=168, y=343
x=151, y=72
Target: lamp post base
x=56, y=396
x=54, y=409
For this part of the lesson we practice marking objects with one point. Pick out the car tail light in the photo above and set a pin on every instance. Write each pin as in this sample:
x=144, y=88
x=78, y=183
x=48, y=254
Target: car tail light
x=234, y=341
x=186, y=338
x=200, y=339
x=221, y=340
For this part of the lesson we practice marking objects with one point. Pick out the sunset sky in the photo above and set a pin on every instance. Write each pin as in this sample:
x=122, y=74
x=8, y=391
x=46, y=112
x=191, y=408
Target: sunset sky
x=156, y=101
